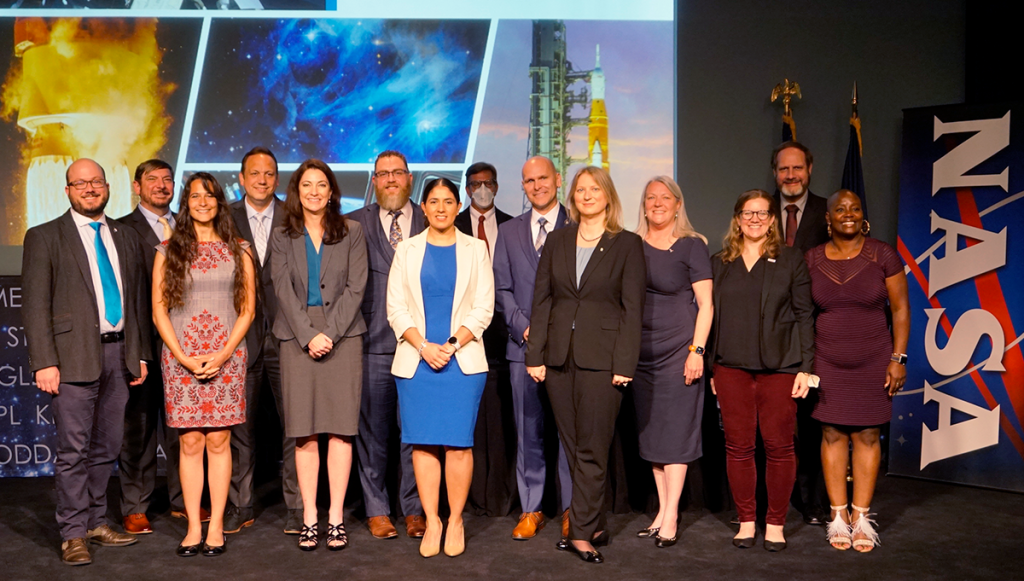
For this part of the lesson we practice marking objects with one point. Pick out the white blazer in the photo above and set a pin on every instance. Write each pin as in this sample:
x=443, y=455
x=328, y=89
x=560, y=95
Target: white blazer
x=472, y=307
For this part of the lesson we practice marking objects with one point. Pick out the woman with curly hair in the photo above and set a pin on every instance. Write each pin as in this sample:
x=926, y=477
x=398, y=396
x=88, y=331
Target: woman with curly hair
x=204, y=297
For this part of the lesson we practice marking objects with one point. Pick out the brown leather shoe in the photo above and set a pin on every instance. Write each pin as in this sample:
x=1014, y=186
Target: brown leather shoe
x=381, y=527
x=74, y=552
x=415, y=526
x=565, y=524
x=529, y=525
x=137, y=524
x=204, y=514
x=105, y=536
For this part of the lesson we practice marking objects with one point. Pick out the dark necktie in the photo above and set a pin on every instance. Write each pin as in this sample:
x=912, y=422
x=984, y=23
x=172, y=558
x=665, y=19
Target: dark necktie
x=542, y=235
x=791, y=211
x=395, y=236
x=481, y=233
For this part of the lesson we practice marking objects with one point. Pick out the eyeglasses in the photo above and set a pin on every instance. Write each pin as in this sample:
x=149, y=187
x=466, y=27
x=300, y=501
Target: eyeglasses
x=489, y=183
x=383, y=174
x=748, y=214
x=80, y=184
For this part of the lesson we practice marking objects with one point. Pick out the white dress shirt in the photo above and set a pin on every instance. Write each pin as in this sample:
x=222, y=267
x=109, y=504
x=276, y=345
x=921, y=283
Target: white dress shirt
x=154, y=223
x=404, y=221
x=254, y=216
x=800, y=205
x=551, y=217
x=88, y=236
x=490, y=224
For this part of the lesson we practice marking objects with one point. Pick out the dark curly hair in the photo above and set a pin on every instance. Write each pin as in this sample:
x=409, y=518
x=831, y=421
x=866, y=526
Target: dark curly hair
x=183, y=248
x=333, y=222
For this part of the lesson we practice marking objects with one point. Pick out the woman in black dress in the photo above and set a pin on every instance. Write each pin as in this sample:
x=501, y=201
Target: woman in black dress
x=668, y=390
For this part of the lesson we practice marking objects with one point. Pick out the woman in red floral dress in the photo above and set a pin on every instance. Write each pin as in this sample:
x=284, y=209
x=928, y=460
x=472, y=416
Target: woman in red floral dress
x=203, y=302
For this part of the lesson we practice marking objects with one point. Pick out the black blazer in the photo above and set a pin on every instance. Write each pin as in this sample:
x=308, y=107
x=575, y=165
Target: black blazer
x=812, y=230
x=266, y=300
x=57, y=292
x=496, y=334
x=607, y=308
x=786, y=326
x=137, y=222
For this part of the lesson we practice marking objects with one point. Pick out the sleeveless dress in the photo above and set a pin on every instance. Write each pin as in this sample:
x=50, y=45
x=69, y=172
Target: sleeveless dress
x=852, y=339
x=203, y=325
x=439, y=407
x=668, y=412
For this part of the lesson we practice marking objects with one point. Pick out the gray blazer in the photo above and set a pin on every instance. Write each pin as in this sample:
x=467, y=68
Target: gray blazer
x=136, y=221
x=342, y=282
x=57, y=284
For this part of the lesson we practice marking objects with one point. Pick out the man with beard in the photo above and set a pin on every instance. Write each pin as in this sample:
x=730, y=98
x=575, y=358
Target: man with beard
x=386, y=223
x=802, y=219
x=153, y=222
x=85, y=313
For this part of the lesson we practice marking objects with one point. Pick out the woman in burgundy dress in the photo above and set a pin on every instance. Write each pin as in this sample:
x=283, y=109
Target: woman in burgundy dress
x=860, y=363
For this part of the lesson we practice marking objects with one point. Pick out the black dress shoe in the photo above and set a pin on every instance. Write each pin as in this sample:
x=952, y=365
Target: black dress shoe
x=663, y=543
x=744, y=543
x=187, y=550
x=648, y=533
x=563, y=544
x=774, y=547
x=815, y=518
x=588, y=556
x=212, y=551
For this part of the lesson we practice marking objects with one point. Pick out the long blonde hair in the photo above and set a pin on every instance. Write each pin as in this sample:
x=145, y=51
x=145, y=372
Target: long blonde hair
x=732, y=244
x=682, y=227
x=613, y=212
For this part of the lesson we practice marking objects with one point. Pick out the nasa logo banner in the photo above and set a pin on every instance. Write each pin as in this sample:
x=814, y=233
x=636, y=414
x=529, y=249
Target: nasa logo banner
x=960, y=417
x=28, y=438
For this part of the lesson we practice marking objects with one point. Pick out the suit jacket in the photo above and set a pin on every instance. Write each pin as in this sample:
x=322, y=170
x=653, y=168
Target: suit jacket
x=496, y=334
x=57, y=284
x=342, y=282
x=606, y=309
x=137, y=222
x=812, y=230
x=380, y=339
x=786, y=327
x=515, y=270
x=472, y=305
x=266, y=300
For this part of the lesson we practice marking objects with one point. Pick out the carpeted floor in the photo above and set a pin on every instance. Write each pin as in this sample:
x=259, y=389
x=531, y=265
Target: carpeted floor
x=928, y=531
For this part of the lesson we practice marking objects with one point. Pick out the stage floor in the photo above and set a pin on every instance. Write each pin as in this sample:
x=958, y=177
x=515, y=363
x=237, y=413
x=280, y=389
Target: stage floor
x=928, y=531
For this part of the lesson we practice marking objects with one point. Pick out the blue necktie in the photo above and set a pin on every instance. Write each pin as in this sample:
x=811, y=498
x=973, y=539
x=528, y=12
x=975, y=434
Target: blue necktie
x=111, y=296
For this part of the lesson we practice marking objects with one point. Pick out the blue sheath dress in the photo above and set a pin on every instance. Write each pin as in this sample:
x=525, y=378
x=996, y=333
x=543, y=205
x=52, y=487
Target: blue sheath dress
x=439, y=407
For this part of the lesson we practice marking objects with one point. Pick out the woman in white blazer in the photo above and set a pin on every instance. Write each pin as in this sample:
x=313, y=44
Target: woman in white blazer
x=440, y=300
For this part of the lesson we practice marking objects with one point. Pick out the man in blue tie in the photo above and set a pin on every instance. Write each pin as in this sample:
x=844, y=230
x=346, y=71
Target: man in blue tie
x=86, y=315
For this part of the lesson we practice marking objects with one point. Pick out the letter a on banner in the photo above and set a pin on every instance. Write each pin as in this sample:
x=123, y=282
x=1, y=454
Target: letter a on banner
x=954, y=439
x=959, y=265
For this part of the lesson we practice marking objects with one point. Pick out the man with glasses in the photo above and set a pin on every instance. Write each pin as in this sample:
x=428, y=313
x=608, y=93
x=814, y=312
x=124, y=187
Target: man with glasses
x=86, y=319
x=516, y=256
x=386, y=223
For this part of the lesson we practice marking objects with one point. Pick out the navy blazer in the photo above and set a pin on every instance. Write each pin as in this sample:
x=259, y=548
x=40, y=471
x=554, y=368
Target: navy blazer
x=515, y=271
x=380, y=339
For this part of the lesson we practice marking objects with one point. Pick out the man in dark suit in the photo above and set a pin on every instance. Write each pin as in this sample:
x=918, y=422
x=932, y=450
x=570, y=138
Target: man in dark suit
x=492, y=486
x=86, y=357
x=153, y=222
x=256, y=215
x=386, y=223
x=802, y=218
x=515, y=258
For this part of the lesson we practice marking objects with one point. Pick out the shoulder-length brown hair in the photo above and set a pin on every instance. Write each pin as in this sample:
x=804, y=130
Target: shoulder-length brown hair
x=732, y=244
x=613, y=213
x=183, y=247
x=334, y=223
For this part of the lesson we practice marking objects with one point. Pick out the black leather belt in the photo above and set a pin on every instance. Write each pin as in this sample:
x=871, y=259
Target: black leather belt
x=112, y=337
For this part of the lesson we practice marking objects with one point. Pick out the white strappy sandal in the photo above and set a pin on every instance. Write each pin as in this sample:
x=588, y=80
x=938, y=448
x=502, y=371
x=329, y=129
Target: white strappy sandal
x=838, y=530
x=863, y=526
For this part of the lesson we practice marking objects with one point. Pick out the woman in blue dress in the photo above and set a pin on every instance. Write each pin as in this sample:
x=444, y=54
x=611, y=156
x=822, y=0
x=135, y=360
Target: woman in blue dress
x=440, y=300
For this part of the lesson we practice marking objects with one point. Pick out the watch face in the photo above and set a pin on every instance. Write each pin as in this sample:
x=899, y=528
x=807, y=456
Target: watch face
x=452, y=340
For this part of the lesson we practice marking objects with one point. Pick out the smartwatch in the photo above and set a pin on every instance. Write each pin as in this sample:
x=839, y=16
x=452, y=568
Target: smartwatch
x=900, y=358
x=453, y=341
x=697, y=350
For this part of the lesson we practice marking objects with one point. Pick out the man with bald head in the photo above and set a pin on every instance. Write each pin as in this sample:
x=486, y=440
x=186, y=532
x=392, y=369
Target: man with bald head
x=86, y=316
x=515, y=257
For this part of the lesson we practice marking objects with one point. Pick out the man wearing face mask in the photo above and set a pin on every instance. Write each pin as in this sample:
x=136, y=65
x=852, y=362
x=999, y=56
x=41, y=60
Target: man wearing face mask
x=493, y=477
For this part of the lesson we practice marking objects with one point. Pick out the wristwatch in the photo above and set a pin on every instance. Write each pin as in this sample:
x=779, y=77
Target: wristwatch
x=453, y=341
x=420, y=351
x=697, y=350
x=900, y=358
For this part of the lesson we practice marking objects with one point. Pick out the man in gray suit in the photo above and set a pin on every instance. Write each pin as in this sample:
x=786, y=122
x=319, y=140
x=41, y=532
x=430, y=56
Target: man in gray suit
x=86, y=357
x=256, y=215
x=385, y=224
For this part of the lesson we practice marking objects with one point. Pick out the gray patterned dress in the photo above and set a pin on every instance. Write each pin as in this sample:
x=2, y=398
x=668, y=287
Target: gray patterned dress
x=203, y=325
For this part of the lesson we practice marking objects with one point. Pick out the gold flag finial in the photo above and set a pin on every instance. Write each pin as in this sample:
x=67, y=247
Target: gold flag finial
x=786, y=91
x=853, y=101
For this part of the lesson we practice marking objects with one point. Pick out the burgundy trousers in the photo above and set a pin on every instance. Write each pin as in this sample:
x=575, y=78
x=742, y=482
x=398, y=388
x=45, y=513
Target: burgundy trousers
x=750, y=401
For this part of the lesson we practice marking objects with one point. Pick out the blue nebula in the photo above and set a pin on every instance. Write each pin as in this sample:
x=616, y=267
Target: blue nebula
x=340, y=90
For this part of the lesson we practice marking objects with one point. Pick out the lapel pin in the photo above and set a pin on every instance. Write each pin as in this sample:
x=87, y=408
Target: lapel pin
x=771, y=260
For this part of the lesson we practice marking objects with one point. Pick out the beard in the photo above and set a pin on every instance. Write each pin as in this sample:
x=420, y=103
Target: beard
x=795, y=190
x=77, y=205
x=392, y=202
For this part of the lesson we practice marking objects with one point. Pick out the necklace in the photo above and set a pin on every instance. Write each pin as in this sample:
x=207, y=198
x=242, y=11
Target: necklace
x=840, y=252
x=585, y=239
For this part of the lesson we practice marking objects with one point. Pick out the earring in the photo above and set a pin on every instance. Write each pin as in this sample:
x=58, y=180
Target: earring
x=865, y=228
x=829, y=228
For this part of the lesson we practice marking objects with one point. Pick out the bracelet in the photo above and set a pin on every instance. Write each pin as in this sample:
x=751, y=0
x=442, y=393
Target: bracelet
x=422, y=345
x=696, y=349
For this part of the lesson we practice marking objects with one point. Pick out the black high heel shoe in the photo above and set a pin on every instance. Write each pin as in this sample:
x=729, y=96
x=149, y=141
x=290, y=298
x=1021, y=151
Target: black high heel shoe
x=648, y=533
x=309, y=537
x=337, y=538
x=188, y=550
x=664, y=542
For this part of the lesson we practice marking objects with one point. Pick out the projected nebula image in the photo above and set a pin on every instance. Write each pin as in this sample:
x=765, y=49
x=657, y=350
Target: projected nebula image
x=341, y=90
